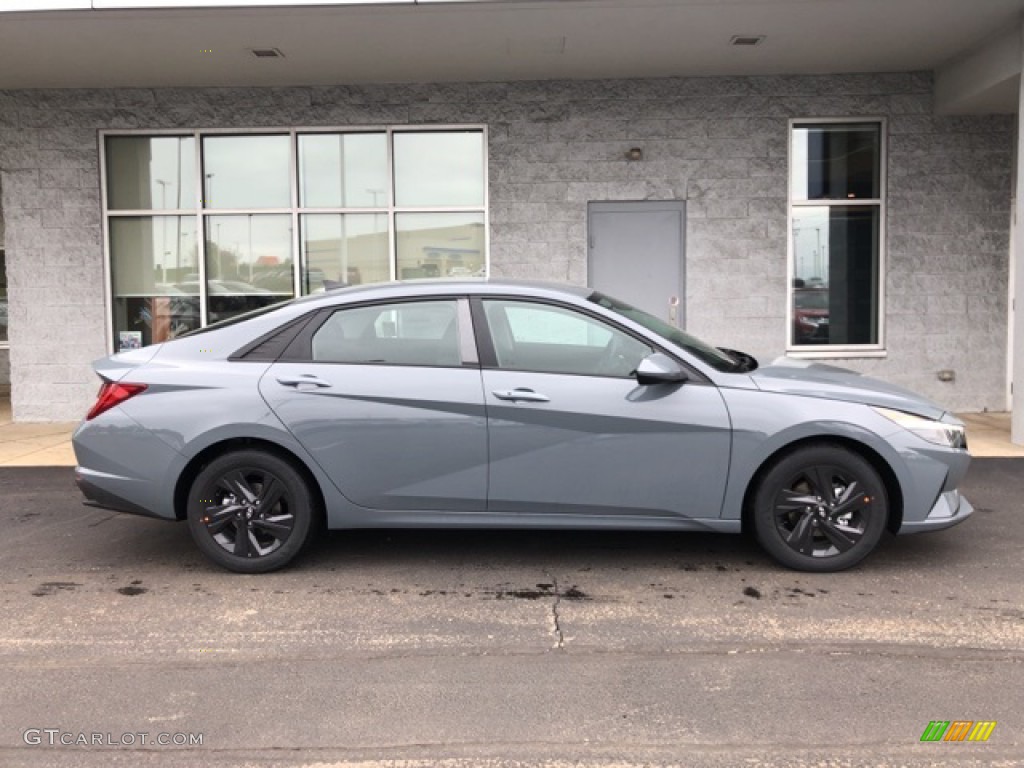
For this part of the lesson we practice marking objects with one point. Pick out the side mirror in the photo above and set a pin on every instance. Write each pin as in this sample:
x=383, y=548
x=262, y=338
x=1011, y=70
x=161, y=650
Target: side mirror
x=659, y=369
x=743, y=360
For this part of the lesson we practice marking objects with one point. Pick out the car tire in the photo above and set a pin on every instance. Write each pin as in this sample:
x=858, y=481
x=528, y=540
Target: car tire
x=259, y=495
x=821, y=508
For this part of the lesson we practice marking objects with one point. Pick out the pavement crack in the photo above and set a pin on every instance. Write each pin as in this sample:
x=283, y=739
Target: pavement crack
x=555, y=618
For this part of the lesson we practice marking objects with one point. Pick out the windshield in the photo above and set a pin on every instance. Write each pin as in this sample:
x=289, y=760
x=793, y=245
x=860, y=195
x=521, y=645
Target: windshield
x=716, y=358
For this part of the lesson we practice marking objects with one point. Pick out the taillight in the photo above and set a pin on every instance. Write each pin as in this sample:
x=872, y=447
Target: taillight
x=111, y=394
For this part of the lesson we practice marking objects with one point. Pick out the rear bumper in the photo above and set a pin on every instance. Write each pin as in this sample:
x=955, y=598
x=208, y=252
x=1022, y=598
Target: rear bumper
x=951, y=508
x=103, y=491
x=125, y=468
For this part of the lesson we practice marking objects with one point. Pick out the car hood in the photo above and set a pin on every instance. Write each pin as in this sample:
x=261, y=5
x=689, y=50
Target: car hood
x=798, y=377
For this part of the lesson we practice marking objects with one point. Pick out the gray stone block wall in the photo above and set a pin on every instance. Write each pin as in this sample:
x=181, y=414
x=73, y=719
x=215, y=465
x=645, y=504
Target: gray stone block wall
x=718, y=143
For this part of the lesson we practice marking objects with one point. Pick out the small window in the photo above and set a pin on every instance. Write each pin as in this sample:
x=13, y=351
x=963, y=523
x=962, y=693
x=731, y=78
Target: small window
x=837, y=215
x=550, y=339
x=413, y=333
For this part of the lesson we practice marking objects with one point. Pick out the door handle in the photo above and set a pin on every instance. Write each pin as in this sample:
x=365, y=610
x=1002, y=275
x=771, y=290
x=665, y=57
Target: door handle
x=306, y=378
x=522, y=393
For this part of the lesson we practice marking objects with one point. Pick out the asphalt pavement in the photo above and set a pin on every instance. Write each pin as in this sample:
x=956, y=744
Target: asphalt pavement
x=499, y=648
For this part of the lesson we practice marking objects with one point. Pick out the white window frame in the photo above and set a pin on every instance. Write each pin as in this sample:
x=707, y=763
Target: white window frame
x=837, y=350
x=294, y=210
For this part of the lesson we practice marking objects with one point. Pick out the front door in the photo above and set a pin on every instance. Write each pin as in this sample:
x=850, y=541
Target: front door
x=572, y=433
x=636, y=254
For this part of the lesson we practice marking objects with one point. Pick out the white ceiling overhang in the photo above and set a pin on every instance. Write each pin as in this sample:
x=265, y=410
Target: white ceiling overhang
x=108, y=43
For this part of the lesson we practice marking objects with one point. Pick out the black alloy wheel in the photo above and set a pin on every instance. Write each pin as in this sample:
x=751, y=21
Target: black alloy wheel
x=251, y=511
x=821, y=508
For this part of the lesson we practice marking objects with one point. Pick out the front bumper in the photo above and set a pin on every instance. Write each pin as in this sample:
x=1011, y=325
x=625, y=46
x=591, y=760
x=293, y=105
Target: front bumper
x=951, y=508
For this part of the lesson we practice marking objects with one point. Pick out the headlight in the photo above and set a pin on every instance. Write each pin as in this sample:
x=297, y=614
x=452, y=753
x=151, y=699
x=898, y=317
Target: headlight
x=938, y=432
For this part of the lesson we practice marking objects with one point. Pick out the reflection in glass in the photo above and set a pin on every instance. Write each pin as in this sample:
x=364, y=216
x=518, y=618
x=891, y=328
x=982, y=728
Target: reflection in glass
x=837, y=161
x=428, y=330
x=836, y=274
x=246, y=172
x=248, y=263
x=349, y=248
x=439, y=245
x=150, y=172
x=439, y=168
x=151, y=257
x=339, y=170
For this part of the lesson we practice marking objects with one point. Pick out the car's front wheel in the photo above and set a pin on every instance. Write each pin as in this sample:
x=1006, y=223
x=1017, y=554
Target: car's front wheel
x=251, y=511
x=820, y=508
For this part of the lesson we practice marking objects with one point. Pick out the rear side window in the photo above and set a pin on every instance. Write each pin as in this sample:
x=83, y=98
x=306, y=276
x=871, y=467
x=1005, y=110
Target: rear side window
x=409, y=333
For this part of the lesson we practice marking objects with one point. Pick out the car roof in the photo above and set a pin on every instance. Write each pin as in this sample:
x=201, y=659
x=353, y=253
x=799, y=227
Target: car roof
x=434, y=287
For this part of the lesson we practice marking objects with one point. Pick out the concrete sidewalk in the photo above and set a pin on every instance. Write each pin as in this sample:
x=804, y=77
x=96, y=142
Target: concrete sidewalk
x=49, y=444
x=34, y=445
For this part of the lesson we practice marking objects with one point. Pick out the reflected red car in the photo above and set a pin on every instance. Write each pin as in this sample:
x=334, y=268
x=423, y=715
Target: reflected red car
x=810, y=316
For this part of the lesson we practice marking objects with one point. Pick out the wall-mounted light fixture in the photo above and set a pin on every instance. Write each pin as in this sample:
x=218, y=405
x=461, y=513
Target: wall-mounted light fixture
x=635, y=153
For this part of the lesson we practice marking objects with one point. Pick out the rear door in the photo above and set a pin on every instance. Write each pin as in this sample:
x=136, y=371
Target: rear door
x=388, y=400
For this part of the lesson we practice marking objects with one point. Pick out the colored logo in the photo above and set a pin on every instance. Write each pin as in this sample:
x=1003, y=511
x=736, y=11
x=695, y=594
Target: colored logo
x=958, y=730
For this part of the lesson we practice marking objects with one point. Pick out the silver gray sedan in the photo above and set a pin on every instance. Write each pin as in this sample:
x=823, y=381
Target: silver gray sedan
x=458, y=404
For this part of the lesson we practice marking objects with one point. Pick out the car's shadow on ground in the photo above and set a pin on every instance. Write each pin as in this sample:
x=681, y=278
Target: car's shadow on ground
x=158, y=544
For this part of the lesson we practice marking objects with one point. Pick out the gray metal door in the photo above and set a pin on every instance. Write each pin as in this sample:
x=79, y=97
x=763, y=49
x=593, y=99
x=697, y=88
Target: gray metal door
x=636, y=254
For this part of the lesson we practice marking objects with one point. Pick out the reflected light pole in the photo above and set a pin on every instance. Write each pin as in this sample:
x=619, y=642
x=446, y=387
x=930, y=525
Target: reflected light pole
x=250, y=249
x=164, y=253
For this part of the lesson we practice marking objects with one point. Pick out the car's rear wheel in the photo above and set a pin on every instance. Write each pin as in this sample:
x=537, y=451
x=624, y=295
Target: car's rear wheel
x=251, y=511
x=820, y=508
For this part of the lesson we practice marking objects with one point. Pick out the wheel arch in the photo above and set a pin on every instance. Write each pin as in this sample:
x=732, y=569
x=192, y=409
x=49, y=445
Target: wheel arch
x=222, y=447
x=893, y=490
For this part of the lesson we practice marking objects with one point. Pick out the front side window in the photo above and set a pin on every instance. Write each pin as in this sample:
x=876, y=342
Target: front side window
x=837, y=214
x=204, y=226
x=410, y=333
x=541, y=337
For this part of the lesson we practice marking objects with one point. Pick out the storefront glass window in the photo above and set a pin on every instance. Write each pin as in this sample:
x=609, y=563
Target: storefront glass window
x=351, y=207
